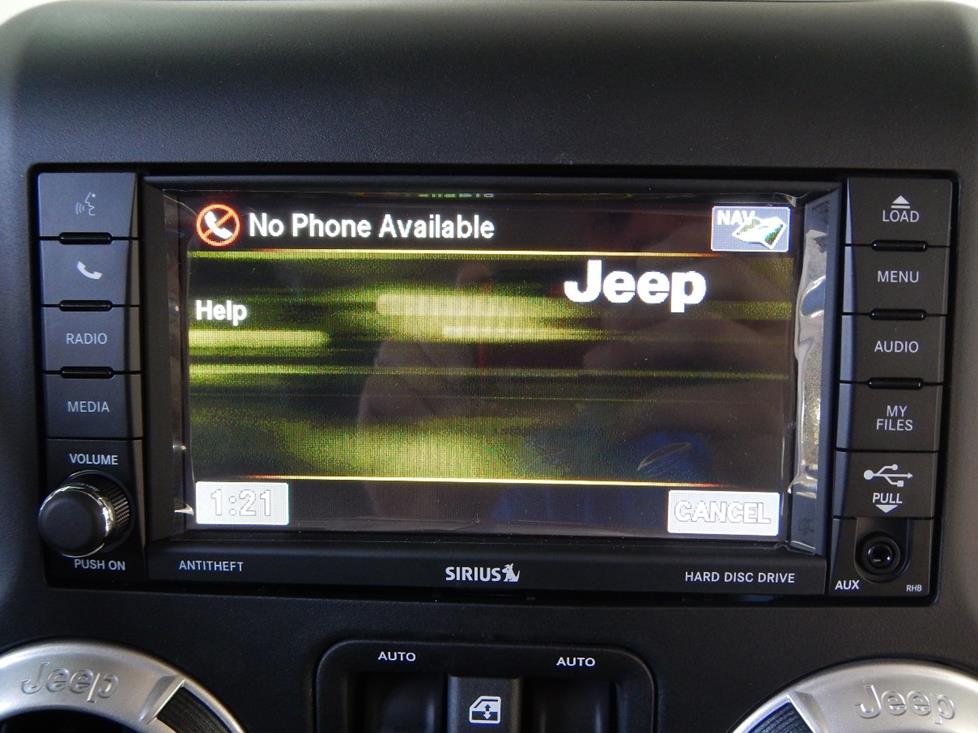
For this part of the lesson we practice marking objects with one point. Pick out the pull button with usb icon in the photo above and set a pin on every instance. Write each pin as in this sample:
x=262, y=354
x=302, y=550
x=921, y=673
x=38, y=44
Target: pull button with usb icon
x=897, y=485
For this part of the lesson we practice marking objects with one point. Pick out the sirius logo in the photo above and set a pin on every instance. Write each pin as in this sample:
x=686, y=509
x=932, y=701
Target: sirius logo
x=481, y=574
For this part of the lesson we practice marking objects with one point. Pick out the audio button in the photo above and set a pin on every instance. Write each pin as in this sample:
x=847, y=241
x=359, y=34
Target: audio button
x=898, y=349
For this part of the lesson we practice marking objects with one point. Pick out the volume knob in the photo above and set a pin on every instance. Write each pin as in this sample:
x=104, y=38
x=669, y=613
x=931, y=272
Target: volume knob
x=84, y=515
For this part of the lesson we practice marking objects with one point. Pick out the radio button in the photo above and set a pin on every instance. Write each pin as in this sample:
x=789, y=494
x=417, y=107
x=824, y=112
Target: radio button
x=889, y=419
x=92, y=203
x=892, y=349
x=93, y=408
x=107, y=338
x=899, y=210
x=893, y=485
x=89, y=272
x=478, y=704
x=877, y=279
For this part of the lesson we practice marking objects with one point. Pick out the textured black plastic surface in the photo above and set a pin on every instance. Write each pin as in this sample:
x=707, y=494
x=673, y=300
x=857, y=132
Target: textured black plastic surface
x=187, y=714
x=783, y=720
x=566, y=88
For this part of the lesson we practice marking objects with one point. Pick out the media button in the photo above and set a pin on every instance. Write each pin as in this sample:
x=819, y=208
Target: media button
x=899, y=210
x=894, y=485
x=880, y=279
x=105, y=338
x=889, y=419
x=876, y=348
x=93, y=408
x=89, y=272
x=90, y=203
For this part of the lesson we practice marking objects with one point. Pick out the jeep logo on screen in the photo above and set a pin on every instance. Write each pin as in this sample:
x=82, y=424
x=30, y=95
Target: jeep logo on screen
x=751, y=229
x=680, y=289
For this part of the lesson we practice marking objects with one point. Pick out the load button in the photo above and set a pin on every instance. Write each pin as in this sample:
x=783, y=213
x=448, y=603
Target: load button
x=889, y=419
x=899, y=209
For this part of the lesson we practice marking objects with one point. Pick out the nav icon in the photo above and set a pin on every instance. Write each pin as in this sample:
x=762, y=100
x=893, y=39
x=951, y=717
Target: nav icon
x=751, y=229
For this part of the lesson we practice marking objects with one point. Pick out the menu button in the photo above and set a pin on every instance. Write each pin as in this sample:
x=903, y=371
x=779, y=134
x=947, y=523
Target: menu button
x=895, y=280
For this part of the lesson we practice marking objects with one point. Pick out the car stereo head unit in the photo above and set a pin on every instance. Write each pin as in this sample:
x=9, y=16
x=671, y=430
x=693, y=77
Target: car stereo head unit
x=508, y=383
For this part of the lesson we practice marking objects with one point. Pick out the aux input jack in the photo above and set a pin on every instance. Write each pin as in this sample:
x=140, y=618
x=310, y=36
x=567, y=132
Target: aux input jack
x=881, y=556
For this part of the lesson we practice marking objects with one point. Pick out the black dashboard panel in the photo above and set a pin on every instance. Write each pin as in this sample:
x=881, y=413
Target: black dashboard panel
x=763, y=90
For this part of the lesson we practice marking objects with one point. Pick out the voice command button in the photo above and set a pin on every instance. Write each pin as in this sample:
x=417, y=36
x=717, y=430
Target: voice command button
x=90, y=203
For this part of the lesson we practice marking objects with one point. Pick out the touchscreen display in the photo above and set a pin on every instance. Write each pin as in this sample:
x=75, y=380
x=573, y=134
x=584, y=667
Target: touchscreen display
x=488, y=362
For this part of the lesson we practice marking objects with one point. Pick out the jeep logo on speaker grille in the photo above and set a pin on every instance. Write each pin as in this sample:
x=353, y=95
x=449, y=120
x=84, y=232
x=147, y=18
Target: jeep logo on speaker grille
x=936, y=707
x=89, y=684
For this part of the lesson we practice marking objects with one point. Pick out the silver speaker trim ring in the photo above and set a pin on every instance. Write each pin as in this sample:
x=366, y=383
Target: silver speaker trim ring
x=113, y=682
x=884, y=696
